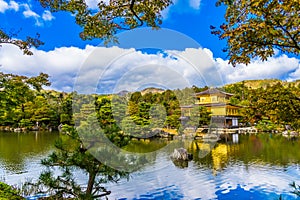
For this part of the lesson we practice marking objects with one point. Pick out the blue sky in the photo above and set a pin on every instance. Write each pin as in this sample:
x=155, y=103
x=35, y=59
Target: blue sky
x=59, y=29
x=66, y=58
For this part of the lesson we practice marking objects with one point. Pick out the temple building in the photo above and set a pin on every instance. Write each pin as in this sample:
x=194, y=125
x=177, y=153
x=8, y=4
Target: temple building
x=223, y=114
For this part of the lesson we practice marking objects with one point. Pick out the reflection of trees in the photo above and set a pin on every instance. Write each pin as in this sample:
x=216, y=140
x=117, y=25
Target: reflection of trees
x=15, y=148
x=263, y=148
x=151, y=147
x=267, y=148
x=145, y=149
x=146, y=145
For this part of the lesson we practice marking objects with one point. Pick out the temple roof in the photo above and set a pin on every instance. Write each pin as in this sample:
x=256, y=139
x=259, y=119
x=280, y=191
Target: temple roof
x=211, y=91
x=187, y=106
x=219, y=104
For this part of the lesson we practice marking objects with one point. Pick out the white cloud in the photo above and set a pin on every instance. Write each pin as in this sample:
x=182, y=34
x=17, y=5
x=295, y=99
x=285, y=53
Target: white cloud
x=294, y=75
x=28, y=13
x=47, y=16
x=62, y=64
x=14, y=5
x=93, y=4
x=136, y=70
x=114, y=69
x=181, y=6
x=4, y=6
x=281, y=67
x=203, y=65
x=195, y=4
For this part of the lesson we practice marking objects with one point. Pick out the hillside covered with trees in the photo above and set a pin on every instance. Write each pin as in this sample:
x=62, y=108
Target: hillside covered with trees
x=25, y=105
x=270, y=104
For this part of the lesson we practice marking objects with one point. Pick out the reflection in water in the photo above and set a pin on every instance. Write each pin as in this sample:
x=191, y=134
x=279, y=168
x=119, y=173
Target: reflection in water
x=20, y=150
x=260, y=149
x=256, y=166
x=219, y=157
x=168, y=192
x=235, y=138
x=146, y=145
x=252, y=167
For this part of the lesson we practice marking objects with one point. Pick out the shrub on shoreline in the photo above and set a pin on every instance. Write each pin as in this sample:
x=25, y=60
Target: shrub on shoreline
x=9, y=193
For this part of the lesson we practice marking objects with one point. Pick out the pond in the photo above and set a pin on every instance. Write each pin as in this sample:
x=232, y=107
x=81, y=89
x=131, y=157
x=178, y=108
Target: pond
x=21, y=153
x=249, y=167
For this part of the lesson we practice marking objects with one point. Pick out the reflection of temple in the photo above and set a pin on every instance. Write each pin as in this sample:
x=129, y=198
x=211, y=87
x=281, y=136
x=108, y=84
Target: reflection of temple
x=223, y=114
x=216, y=156
x=220, y=157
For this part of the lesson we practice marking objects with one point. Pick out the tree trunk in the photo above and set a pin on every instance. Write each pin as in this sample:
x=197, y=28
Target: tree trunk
x=90, y=185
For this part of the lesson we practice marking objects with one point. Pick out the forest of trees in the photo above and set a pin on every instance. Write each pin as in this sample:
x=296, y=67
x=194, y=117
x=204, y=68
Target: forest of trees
x=270, y=106
x=25, y=104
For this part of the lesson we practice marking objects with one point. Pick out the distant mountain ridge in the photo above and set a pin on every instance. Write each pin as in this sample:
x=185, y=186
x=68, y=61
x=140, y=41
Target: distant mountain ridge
x=152, y=90
x=251, y=84
x=254, y=84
